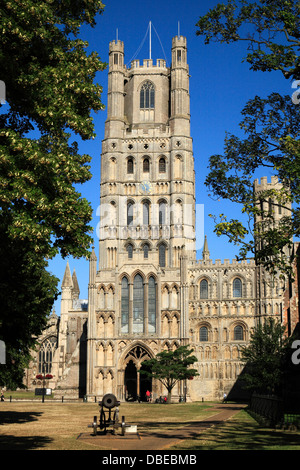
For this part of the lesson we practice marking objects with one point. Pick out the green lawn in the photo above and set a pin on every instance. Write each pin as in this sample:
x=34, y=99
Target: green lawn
x=242, y=432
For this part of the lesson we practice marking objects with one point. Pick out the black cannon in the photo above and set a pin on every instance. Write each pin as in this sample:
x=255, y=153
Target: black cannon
x=109, y=417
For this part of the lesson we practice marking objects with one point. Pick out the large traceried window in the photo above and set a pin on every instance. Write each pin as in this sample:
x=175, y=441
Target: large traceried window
x=124, y=305
x=138, y=305
x=151, y=305
x=46, y=354
x=147, y=96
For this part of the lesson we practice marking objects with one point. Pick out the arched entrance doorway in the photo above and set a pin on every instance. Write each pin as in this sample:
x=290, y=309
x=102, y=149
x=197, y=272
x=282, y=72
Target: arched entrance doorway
x=136, y=384
x=130, y=382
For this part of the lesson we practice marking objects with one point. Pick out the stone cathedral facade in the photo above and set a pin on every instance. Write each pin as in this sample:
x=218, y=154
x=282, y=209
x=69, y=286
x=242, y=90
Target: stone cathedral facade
x=146, y=290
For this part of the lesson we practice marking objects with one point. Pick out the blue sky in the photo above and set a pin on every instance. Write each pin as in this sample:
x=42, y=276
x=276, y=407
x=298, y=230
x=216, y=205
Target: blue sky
x=220, y=86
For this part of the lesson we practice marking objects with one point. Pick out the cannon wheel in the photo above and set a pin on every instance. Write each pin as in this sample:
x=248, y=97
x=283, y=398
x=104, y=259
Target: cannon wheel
x=102, y=420
x=123, y=426
x=116, y=416
x=94, y=425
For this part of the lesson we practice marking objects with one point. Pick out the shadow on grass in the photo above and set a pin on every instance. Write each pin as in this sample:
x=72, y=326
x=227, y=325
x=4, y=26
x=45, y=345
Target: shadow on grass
x=11, y=442
x=241, y=435
x=23, y=442
x=18, y=417
x=177, y=430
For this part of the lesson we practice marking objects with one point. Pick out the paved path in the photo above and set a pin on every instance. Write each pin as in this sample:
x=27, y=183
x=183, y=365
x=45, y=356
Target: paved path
x=160, y=440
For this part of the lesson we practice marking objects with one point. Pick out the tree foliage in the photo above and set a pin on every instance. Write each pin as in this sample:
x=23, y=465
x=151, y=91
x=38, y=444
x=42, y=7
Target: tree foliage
x=27, y=292
x=271, y=126
x=264, y=357
x=169, y=367
x=271, y=29
x=272, y=129
x=50, y=95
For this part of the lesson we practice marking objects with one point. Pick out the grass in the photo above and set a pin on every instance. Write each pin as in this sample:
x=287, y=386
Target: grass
x=56, y=426
x=24, y=395
x=242, y=432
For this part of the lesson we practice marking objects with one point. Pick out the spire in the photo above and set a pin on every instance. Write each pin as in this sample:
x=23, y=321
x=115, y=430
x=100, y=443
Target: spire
x=205, y=252
x=93, y=256
x=93, y=266
x=67, y=280
x=76, y=290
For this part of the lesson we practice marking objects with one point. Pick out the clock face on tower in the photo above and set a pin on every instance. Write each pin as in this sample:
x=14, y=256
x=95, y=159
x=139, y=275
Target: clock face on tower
x=146, y=187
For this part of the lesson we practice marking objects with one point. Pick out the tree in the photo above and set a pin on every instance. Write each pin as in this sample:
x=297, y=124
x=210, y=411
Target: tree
x=50, y=94
x=169, y=367
x=271, y=31
x=264, y=357
x=27, y=291
x=273, y=130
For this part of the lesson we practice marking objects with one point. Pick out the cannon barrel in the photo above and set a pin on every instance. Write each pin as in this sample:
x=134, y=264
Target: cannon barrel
x=109, y=401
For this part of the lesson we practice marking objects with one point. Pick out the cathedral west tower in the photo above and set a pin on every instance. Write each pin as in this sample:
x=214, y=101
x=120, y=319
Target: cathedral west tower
x=138, y=301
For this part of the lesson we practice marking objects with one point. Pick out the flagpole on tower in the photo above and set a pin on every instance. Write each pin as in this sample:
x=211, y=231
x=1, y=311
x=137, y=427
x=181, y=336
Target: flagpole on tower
x=150, y=40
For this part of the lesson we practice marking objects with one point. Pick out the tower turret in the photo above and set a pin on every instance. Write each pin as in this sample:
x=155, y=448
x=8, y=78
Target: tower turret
x=115, y=96
x=180, y=99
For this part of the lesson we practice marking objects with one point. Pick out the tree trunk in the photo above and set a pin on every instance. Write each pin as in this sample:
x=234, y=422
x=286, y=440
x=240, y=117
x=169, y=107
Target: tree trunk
x=169, y=396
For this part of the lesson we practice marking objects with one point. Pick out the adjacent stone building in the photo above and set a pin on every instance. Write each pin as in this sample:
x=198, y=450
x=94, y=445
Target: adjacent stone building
x=147, y=291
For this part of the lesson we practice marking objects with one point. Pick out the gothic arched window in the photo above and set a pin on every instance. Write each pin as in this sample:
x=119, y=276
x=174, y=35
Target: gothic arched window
x=147, y=96
x=146, y=165
x=146, y=213
x=162, y=209
x=204, y=289
x=162, y=165
x=138, y=304
x=152, y=305
x=124, y=305
x=130, y=251
x=237, y=287
x=162, y=255
x=238, y=333
x=130, y=166
x=130, y=206
x=146, y=250
x=46, y=353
